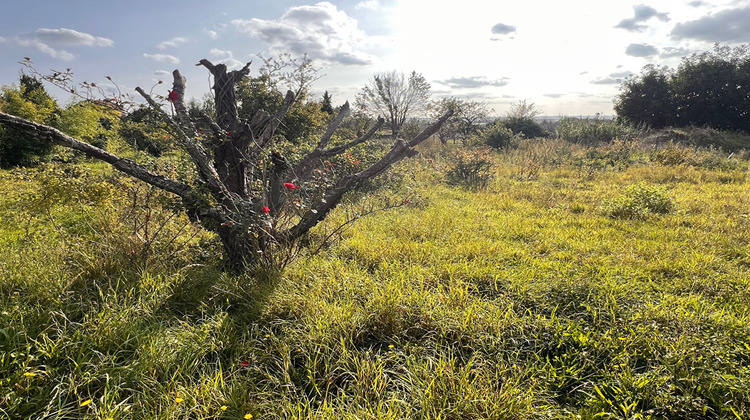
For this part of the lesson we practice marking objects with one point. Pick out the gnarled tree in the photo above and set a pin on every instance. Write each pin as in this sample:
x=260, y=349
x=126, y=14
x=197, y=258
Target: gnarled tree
x=244, y=185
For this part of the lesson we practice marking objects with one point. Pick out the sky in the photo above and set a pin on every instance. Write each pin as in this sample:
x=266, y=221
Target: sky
x=565, y=57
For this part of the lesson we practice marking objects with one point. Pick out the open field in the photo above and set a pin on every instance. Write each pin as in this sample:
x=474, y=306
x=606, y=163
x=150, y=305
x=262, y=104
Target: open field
x=559, y=290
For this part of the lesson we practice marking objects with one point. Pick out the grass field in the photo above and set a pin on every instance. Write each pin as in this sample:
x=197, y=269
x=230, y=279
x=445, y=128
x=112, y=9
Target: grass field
x=609, y=282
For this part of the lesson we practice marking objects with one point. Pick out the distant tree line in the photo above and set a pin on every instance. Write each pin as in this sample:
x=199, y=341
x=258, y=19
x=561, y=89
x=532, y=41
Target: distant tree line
x=710, y=89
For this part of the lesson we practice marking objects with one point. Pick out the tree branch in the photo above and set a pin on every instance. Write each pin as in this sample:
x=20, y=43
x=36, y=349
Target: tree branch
x=267, y=135
x=308, y=163
x=194, y=149
x=126, y=166
x=320, y=210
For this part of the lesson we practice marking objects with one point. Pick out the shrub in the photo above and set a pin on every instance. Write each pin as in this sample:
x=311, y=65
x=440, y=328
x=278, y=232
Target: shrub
x=638, y=202
x=32, y=102
x=496, y=136
x=471, y=168
x=595, y=131
x=524, y=126
x=674, y=154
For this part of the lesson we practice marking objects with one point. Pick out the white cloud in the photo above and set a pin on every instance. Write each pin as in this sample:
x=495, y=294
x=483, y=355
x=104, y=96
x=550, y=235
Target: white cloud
x=172, y=43
x=503, y=29
x=368, y=4
x=220, y=53
x=211, y=34
x=641, y=50
x=162, y=58
x=64, y=36
x=642, y=13
x=227, y=58
x=321, y=31
x=46, y=40
x=61, y=54
x=612, y=78
x=161, y=73
x=474, y=82
x=669, y=52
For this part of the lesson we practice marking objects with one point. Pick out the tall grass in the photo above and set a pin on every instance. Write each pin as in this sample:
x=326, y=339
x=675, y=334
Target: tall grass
x=595, y=131
x=521, y=300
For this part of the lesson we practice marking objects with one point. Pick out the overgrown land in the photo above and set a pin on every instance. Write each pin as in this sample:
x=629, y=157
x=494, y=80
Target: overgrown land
x=545, y=280
x=587, y=269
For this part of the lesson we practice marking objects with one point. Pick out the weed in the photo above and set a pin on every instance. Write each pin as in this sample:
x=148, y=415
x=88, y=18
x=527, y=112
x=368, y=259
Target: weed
x=470, y=168
x=638, y=201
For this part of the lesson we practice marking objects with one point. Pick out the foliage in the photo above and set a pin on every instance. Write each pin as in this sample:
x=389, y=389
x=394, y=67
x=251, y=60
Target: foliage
x=470, y=168
x=513, y=301
x=91, y=122
x=326, y=105
x=145, y=129
x=250, y=185
x=638, y=201
x=595, y=131
x=647, y=99
x=497, y=136
x=305, y=119
x=468, y=118
x=394, y=97
x=412, y=127
x=520, y=120
x=32, y=102
x=710, y=88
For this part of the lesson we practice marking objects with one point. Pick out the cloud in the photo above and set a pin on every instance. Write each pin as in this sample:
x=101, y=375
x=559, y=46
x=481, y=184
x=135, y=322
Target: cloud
x=729, y=25
x=226, y=58
x=368, y=4
x=211, y=34
x=49, y=40
x=669, y=52
x=162, y=58
x=64, y=36
x=612, y=78
x=172, y=43
x=641, y=50
x=474, y=82
x=642, y=13
x=503, y=29
x=554, y=95
x=220, y=53
x=321, y=31
x=697, y=3
x=61, y=54
x=162, y=73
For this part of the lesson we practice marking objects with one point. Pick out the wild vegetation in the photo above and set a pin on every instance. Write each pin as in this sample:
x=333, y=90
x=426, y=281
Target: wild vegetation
x=607, y=282
x=602, y=271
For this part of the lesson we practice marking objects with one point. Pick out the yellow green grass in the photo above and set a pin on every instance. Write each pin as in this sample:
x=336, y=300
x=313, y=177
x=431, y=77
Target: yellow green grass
x=523, y=299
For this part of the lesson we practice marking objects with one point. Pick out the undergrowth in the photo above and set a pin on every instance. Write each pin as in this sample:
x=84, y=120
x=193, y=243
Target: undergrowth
x=520, y=300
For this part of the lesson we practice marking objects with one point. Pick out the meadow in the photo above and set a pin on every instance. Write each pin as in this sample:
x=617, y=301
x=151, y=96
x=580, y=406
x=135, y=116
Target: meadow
x=564, y=281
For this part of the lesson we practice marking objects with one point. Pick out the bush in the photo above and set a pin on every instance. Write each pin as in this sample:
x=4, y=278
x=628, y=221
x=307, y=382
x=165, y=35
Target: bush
x=471, y=168
x=675, y=155
x=144, y=129
x=638, y=202
x=524, y=126
x=594, y=131
x=32, y=102
x=497, y=136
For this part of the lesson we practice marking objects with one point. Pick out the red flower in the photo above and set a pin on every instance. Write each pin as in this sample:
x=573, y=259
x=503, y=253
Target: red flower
x=229, y=134
x=173, y=96
x=265, y=210
x=290, y=186
x=244, y=363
